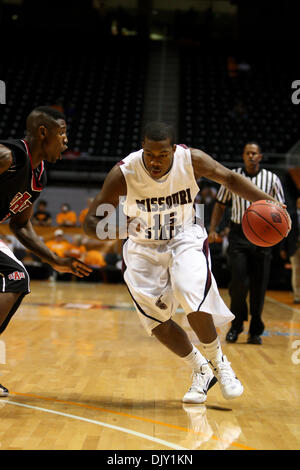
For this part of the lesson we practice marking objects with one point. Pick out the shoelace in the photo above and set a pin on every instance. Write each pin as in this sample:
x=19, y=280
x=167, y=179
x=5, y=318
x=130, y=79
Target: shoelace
x=225, y=372
x=198, y=379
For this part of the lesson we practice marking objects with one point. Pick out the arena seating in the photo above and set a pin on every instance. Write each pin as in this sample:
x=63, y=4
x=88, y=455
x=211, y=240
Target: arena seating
x=101, y=88
x=219, y=113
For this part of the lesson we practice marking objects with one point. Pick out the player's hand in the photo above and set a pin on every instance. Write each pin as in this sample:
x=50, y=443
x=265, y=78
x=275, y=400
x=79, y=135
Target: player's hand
x=73, y=266
x=283, y=206
x=213, y=237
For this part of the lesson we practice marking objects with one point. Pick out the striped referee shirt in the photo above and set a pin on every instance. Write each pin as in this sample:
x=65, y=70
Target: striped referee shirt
x=264, y=180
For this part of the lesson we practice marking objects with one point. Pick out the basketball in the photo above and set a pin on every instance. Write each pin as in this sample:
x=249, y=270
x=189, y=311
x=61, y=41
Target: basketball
x=265, y=223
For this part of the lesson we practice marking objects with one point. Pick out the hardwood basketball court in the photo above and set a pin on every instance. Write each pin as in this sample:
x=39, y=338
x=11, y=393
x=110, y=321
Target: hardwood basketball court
x=83, y=374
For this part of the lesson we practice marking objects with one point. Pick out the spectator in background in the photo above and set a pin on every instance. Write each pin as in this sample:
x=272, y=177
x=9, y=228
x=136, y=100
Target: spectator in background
x=41, y=216
x=83, y=213
x=59, y=244
x=291, y=249
x=94, y=258
x=77, y=249
x=66, y=217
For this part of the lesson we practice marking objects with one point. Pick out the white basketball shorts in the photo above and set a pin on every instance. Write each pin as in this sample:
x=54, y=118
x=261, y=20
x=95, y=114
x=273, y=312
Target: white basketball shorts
x=160, y=277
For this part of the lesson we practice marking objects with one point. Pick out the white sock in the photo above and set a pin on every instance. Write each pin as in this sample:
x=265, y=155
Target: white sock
x=213, y=351
x=195, y=359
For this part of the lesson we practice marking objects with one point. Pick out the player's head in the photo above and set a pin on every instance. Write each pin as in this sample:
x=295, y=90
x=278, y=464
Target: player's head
x=252, y=156
x=46, y=130
x=159, y=147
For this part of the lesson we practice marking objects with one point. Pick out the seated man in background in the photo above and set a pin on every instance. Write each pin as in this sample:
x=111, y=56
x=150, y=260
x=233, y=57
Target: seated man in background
x=59, y=244
x=80, y=250
x=41, y=216
x=77, y=249
x=66, y=217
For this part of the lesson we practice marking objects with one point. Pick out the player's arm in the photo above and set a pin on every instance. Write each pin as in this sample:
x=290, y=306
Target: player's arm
x=113, y=187
x=5, y=159
x=21, y=226
x=206, y=166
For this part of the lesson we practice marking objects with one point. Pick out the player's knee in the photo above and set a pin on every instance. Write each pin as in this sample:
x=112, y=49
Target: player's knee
x=9, y=304
x=163, y=329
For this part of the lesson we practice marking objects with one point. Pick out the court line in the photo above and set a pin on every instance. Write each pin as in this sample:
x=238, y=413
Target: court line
x=126, y=415
x=100, y=423
x=289, y=307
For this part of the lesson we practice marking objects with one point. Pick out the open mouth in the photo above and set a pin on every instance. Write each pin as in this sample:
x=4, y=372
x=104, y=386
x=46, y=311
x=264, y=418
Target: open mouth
x=155, y=171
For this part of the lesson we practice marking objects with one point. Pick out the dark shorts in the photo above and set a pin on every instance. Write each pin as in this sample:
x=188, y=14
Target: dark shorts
x=13, y=275
x=13, y=278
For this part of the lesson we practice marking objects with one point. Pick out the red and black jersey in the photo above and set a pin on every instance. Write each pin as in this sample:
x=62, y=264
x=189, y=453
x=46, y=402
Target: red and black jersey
x=20, y=185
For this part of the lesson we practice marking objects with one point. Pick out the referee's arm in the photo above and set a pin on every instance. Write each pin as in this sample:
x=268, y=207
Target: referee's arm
x=216, y=217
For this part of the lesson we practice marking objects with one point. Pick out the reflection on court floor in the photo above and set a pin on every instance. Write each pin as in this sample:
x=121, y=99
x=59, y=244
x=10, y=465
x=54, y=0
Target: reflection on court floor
x=83, y=374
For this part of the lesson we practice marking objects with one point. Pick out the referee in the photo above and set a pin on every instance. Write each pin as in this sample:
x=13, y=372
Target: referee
x=249, y=264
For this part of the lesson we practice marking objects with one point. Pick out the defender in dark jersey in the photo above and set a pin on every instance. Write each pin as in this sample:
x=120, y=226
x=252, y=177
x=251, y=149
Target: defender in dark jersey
x=22, y=178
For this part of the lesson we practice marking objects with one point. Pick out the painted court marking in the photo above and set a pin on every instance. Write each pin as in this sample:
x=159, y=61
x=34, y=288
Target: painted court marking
x=140, y=418
x=275, y=301
x=99, y=423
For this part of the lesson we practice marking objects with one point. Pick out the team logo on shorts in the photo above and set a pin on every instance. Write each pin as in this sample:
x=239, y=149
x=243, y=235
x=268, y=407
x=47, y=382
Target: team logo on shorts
x=16, y=276
x=161, y=304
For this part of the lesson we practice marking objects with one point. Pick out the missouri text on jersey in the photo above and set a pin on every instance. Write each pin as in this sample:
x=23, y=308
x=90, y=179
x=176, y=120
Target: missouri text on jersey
x=155, y=204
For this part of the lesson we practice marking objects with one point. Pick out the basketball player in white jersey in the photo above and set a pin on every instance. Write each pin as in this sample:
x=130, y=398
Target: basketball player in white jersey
x=167, y=256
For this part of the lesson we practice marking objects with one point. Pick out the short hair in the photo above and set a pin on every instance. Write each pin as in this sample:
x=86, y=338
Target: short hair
x=52, y=112
x=252, y=142
x=159, y=131
x=45, y=115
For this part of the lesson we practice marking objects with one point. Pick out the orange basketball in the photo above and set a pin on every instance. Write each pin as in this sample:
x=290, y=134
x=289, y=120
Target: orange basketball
x=265, y=223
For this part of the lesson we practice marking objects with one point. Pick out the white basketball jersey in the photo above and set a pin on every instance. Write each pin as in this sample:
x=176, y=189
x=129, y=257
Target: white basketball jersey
x=161, y=208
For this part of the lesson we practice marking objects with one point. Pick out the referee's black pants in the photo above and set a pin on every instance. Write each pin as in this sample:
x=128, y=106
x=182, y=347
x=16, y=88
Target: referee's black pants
x=250, y=267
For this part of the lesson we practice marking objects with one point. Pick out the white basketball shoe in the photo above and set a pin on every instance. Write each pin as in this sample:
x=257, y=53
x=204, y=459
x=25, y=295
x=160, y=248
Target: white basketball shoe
x=230, y=385
x=203, y=380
